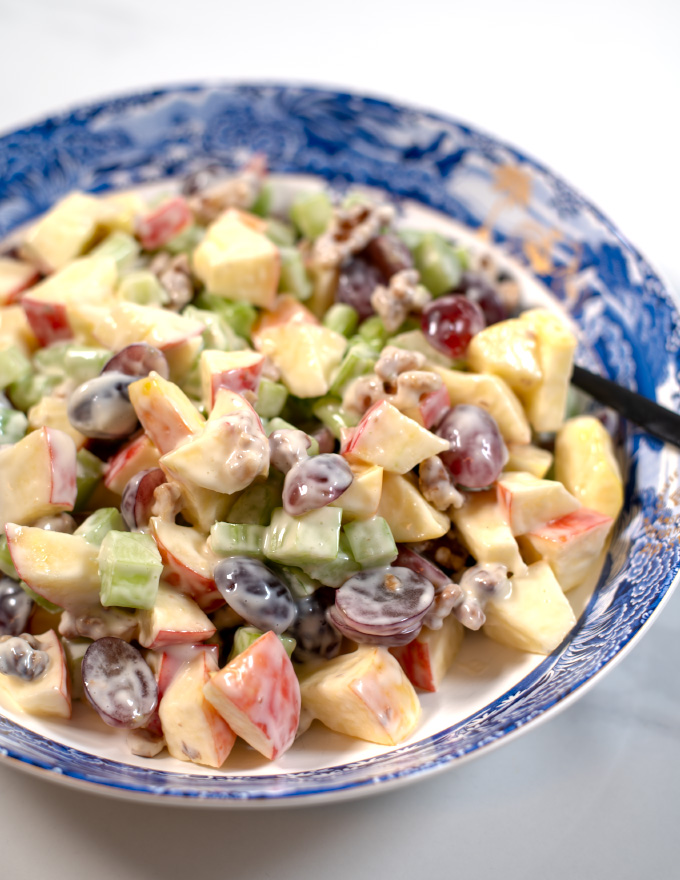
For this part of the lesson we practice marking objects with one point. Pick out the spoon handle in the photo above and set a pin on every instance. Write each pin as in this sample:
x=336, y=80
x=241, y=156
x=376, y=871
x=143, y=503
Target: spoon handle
x=655, y=419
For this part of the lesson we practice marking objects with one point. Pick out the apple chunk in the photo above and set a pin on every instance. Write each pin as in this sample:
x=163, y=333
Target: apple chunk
x=408, y=514
x=365, y=694
x=258, y=695
x=15, y=277
x=305, y=353
x=37, y=476
x=188, y=560
x=528, y=501
x=193, y=729
x=65, y=232
x=237, y=370
x=427, y=659
x=166, y=413
x=484, y=530
x=175, y=619
x=138, y=455
x=50, y=692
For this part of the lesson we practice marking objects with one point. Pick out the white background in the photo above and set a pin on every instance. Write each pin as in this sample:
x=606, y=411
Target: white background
x=589, y=88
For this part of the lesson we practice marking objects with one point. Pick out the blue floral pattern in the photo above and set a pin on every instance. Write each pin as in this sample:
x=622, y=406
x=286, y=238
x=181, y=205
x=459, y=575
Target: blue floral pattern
x=630, y=330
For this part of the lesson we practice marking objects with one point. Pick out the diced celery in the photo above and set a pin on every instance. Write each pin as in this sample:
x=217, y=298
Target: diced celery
x=334, y=572
x=311, y=213
x=279, y=424
x=186, y=241
x=89, y=471
x=358, y=361
x=97, y=526
x=373, y=331
x=190, y=383
x=6, y=564
x=299, y=583
x=82, y=363
x=237, y=539
x=217, y=334
x=121, y=246
x=414, y=340
x=371, y=542
x=240, y=316
x=52, y=358
x=256, y=503
x=411, y=237
x=438, y=264
x=13, y=425
x=282, y=234
x=463, y=256
x=271, y=399
x=39, y=600
x=293, y=274
x=331, y=413
x=130, y=567
x=143, y=288
x=312, y=537
x=246, y=635
x=74, y=651
x=26, y=392
x=342, y=318
x=14, y=366
x=263, y=203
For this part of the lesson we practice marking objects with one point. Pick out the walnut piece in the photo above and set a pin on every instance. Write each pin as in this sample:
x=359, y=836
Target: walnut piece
x=234, y=192
x=437, y=486
x=403, y=296
x=174, y=274
x=350, y=230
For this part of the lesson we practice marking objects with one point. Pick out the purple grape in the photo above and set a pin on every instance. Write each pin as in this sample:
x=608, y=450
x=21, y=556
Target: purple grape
x=362, y=638
x=315, y=482
x=138, y=497
x=15, y=607
x=384, y=601
x=356, y=284
x=450, y=322
x=21, y=657
x=256, y=593
x=118, y=683
x=408, y=558
x=316, y=638
x=477, y=452
x=480, y=290
x=101, y=407
x=389, y=255
x=138, y=360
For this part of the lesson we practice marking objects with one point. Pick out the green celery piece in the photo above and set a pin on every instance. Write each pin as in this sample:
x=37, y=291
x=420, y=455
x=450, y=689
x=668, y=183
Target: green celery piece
x=89, y=471
x=97, y=526
x=246, y=635
x=271, y=399
x=237, y=539
x=311, y=213
x=142, y=287
x=256, y=503
x=13, y=425
x=6, y=564
x=74, y=651
x=262, y=205
x=359, y=360
x=14, y=366
x=38, y=599
x=331, y=413
x=82, y=362
x=372, y=330
x=186, y=241
x=190, y=383
x=279, y=424
x=342, y=318
x=371, y=542
x=463, y=255
x=299, y=582
x=217, y=334
x=438, y=264
x=240, y=316
x=121, y=246
x=28, y=391
x=282, y=234
x=411, y=237
x=51, y=359
x=312, y=537
x=335, y=572
x=130, y=567
x=294, y=277
x=415, y=340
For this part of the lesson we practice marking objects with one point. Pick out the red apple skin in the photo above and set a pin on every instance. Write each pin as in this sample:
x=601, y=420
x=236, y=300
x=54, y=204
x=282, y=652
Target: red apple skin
x=61, y=450
x=180, y=574
x=49, y=320
x=137, y=455
x=15, y=294
x=414, y=659
x=239, y=379
x=156, y=229
x=433, y=406
x=172, y=660
x=139, y=500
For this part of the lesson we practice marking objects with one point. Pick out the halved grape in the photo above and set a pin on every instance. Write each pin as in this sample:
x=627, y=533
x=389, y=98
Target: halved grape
x=101, y=407
x=389, y=254
x=256, y=593
x=15, y=607
x=138, y=497
x=118, y=683
x=450, y=322
x=477, y=452
x=138, y=360
x=315, y=482
x=316, y=638
x=356, y=284
x=21, y=657
x=384, y=601
x=394, y=640
x=409, y=558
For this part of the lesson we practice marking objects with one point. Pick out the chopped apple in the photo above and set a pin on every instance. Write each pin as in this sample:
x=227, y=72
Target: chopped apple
x=536, y=616
x=89, y=281
x=237, y=370
x=526, y=457
x=546, y=402
x=362, y=499
x=15, y=277
x=48, y=694
x=37, y=476
x=64, y=233
x=431, y=408
x=286, y=309
x=61, y=568
x=193, y=730
x=428, y=658
x=528, y=502
x=175, y=619
x=571, y=544
x=15, y=330
x=492, y=394
x=52, y=412
x=585, y=463
x=120, y=211
x=365, y=694
x=305, y=353
x=393, y=441
x=507, y=349
x=138, y=455
x=408, y=514
x=238, y=263
x=201, y=507
x=166, y=413
x=188, y=561
x=258, y=695
x=155, y=230
x=484, y=530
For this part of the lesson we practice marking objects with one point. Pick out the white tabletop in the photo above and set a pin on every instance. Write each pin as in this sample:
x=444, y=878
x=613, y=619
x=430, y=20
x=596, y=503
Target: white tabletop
x=590, y=87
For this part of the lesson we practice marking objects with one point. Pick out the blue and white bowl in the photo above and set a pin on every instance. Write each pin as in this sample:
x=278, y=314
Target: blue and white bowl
x=445, y=173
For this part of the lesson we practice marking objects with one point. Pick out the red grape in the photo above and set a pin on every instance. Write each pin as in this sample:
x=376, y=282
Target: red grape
x=384, y=601
x=315, y=482
x=480, y=290
x=255, y=592
x=356, y=284
x=138, y=359
x=477, y=452
x=450, y=322
x=389, y=255
x=119, y=683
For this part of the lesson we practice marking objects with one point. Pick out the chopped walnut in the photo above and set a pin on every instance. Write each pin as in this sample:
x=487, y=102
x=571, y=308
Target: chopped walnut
x=234, y=192
x=391, y=582
x=270, y=370
x=287, y=447
x=411, y=387
x=145, y=744
x=393, y=361
x=437, y=486
x=363, y=392
x=99, y=623
x=350, y=230
x=509, y=292
x=403, y=296
x=444, y=603
x=168, y=500
x=174, y=274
